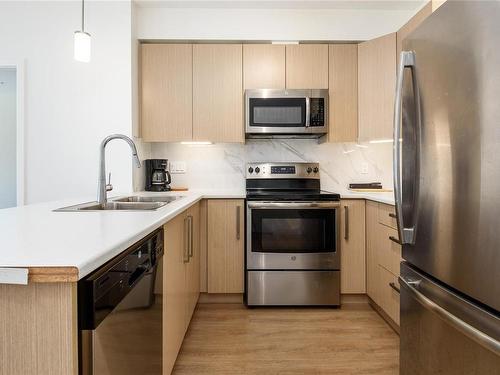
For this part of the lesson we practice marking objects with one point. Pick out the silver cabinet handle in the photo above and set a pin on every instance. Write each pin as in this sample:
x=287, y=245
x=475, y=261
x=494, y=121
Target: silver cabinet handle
x=407, y=60
x=190, y=229
x=308, y=112
x=393, y=286
x=186, y=241
x=479, y=337
x=346, y=223
x=238, y=209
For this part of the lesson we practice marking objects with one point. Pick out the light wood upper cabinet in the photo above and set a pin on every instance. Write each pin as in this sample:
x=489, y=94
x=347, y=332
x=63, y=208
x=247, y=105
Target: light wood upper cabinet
x=218, y=93
x=263, y=66
x=411, y=25
x=307, y=66
x=343, y=89
x=352, y=250
x=166, y=92
x=376, y=87
x=226, y=245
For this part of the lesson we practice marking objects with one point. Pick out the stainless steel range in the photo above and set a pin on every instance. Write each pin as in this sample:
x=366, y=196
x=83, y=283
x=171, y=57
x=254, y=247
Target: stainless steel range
x=292, y=242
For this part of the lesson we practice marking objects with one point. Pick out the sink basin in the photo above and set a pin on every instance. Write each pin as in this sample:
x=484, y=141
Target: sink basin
x=114, y=206
x=137, y=198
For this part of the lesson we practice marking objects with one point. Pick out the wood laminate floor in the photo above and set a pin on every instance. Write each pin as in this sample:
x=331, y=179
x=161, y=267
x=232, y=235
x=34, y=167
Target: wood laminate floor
x=231, y=339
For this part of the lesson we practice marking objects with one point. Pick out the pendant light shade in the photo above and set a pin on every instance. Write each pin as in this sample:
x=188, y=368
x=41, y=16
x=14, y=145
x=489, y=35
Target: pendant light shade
x=82, y=46
x=82, y=41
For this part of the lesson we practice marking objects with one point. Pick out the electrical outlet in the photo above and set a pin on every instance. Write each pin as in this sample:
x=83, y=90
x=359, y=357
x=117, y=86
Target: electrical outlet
x=364, y=168
x=177, y=167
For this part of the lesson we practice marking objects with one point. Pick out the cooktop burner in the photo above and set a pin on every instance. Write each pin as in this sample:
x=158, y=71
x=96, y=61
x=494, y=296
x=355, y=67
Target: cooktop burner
x=286, y=182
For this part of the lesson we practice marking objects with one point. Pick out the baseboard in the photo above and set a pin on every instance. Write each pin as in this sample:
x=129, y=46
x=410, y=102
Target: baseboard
x=353, y=298
x=384, y=315
x=220, y=298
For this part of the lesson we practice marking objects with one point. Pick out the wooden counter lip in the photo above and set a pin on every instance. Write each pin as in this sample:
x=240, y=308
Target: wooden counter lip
x=52, y=274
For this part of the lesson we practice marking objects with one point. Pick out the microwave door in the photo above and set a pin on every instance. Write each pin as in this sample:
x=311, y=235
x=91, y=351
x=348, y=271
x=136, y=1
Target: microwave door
x=277, y=115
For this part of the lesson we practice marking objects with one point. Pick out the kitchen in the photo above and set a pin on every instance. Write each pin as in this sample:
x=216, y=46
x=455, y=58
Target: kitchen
x=268, y=262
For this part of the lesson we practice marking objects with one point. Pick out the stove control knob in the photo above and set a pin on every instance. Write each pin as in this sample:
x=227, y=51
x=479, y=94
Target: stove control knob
x=257, y=169
x=309, y=169
x=316, y=170
x=250, y=170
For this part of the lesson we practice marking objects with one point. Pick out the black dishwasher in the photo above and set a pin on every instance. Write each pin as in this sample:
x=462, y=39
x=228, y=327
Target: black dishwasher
x=120, y=313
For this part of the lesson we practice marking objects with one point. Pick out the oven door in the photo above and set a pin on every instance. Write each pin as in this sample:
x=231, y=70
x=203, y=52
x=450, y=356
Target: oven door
x=293, y=235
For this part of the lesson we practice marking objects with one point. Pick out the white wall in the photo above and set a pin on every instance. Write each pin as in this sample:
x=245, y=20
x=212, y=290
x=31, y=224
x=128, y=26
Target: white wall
x=8, y=137
x=70, y=106
x=161, y=22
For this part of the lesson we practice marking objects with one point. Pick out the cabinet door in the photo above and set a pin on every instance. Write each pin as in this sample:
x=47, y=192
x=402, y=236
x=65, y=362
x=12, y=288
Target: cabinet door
x=263, y=66
x=411, y=25
x=225, y=246
x=343, y=90
x=352, y=250
x=371, y=251
x=217, y=93
x=193, y=266
x=174, y=290
x=166, y=92
x=307, y=66
x=376, y=86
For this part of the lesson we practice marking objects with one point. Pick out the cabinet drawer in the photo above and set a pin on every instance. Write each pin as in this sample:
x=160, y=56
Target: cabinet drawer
x=387, y=215
x=388, y=296
x=389, y=255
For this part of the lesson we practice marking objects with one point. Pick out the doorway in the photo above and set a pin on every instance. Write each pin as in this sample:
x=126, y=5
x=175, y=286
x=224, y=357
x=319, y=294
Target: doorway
x=11, y=171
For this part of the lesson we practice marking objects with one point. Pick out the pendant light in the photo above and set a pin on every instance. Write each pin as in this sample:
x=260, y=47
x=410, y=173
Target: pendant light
x=82, y=41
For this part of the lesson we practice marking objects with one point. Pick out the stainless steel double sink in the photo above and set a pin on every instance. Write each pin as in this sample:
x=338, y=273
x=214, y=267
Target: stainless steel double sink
x=130, y=203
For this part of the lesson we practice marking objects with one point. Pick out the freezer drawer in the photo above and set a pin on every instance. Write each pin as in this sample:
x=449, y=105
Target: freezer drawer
x=287, y=288
x=443, y=334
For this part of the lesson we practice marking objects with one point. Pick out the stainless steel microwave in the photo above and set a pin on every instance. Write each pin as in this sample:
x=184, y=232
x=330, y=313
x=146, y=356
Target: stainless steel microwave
x=286, y=113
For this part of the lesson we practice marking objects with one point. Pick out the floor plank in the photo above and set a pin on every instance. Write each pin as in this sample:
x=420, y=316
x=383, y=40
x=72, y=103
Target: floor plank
x=231, y=339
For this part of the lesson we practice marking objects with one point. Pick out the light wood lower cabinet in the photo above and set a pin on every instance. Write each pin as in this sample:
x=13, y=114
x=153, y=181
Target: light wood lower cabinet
x=181, y=285
x=226, y=236
x=352, y=248
x=383, y=257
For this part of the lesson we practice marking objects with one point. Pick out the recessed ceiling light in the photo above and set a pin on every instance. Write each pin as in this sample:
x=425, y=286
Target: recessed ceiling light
x=284, y=42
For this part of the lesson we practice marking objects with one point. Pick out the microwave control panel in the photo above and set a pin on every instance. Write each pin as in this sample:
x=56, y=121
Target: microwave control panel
x=317, y=115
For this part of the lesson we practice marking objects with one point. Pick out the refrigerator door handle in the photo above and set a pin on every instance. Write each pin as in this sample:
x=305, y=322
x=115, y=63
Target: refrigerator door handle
x=407, y=60
x=474, y=334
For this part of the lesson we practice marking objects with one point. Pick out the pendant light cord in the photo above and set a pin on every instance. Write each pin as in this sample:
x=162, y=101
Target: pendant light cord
x=83, y=15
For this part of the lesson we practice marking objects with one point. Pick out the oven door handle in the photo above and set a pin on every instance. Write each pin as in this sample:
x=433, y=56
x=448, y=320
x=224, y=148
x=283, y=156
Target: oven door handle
x=293, y=205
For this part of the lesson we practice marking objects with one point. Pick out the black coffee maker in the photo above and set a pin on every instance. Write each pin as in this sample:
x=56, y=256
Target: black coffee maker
x=157, y=176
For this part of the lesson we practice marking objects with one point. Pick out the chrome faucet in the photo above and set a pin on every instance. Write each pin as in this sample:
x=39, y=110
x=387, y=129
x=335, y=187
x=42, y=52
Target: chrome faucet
x=102, y=187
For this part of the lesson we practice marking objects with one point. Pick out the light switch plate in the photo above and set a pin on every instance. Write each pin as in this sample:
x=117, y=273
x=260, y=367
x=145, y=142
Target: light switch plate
x=177, y=167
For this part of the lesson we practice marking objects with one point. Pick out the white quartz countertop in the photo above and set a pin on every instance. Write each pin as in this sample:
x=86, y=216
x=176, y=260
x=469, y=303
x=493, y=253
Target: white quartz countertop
x=385, y=197
x=35, y=236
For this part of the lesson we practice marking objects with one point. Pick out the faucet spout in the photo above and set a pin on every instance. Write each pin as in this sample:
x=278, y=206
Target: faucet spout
x=101, y=183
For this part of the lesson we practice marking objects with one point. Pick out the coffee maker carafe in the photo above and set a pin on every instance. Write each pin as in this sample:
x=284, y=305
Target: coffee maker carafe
x=157, y=176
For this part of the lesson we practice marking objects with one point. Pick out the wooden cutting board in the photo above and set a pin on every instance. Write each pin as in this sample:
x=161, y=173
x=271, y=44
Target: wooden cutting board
x=179, y=189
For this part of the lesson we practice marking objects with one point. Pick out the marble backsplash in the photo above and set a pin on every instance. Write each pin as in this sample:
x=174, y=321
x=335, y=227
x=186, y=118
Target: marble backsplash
x=223, y=166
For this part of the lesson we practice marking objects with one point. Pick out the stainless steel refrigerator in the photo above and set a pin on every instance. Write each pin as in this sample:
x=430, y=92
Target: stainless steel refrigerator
x=447, y=189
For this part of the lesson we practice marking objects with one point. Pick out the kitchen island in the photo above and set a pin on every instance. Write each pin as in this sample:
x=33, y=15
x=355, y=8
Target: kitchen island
x=39, y=330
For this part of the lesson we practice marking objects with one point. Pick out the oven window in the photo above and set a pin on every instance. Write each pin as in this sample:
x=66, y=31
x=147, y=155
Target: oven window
x=277, y=112
x=293, y=230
